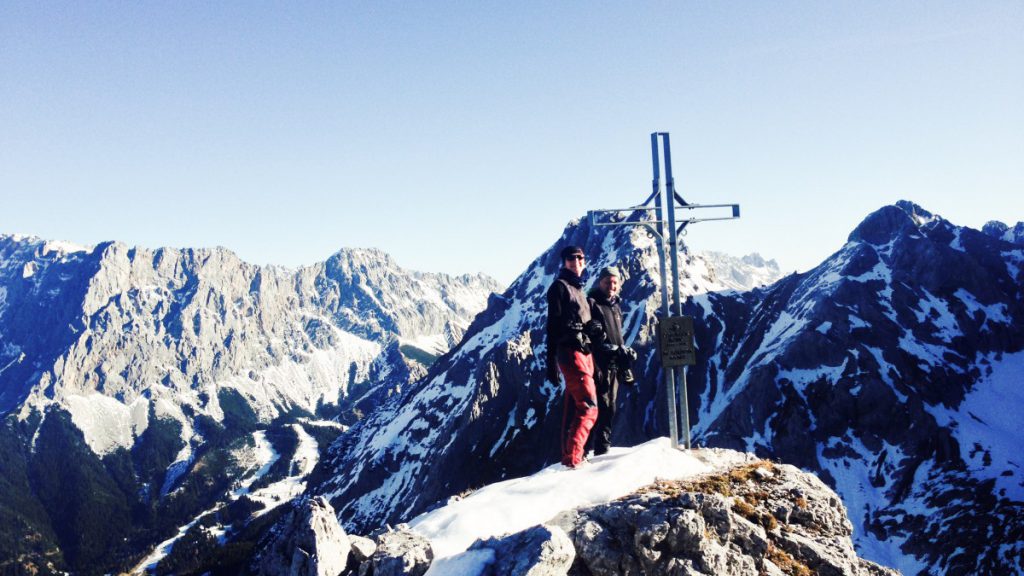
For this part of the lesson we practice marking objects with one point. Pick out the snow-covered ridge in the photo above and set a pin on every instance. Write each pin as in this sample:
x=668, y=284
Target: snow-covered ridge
x=513, y=505
x=743, y=273
x=649, y=509
x=1012, y=234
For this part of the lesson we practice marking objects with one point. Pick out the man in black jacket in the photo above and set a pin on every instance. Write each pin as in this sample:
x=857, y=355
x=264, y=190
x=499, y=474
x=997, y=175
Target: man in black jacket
x=612, y=356
x=568, y=351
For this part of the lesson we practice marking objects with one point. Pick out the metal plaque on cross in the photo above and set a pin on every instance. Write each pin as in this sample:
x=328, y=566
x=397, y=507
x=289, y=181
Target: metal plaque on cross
x=675, y=341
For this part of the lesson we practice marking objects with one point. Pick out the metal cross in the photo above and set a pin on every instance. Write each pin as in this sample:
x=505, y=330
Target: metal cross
x=667, y=232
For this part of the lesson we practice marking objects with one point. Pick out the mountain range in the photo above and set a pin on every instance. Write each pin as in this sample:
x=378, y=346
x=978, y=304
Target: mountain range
x=185, y=388
x=142, y=375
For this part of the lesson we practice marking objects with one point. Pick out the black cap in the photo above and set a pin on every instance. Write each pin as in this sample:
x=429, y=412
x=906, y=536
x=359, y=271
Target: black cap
x=571, y=251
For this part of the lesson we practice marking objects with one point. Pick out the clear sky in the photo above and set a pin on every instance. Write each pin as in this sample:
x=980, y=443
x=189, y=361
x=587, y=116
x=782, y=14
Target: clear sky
x=462, y=136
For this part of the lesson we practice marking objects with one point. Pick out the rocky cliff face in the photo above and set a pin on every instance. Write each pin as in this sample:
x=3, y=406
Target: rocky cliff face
x=891, y=369
x=112, y=332
x=133, y=381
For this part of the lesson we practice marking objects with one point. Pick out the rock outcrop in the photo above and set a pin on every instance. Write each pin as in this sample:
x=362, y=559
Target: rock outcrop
x=308, y=541
x=400, y=552
x=362, y=548
x=759, y=518
x=538, y=551
x=750, y=517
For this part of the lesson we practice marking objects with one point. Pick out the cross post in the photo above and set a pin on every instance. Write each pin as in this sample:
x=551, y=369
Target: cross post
x=675, y=331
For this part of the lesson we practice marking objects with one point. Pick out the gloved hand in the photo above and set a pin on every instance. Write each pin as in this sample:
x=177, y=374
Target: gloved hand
x=594, y=329
x=628, y=378
x=627, y=354
x=552, y=374
x=582, y=343
x=574, y=326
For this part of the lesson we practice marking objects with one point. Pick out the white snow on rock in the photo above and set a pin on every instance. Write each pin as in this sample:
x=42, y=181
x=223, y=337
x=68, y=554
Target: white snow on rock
x=992, y=313
x=307, y=454
x=258, y=458
x=436, y=344
x=987, y=425
x=63, y=247
x=105, y=422
x=513, y=505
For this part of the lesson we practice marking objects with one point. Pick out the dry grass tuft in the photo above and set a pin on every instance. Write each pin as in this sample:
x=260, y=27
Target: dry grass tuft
x=787, y=563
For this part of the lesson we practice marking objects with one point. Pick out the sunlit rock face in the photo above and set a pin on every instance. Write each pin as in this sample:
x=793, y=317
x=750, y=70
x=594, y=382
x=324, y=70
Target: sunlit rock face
x=112, y=333
x=131, y=379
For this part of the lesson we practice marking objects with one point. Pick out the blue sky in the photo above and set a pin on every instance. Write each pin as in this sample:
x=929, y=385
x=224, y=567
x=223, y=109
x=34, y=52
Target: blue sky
x=462, y=136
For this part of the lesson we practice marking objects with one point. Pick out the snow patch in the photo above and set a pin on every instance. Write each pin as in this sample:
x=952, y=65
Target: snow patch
x=987, y=426
x=61, y=247
x=433, y=343
x=107, y=423
x=853, y=482
x=514, y=505
x=936, y=311
x=993, y=312
x=307, y=453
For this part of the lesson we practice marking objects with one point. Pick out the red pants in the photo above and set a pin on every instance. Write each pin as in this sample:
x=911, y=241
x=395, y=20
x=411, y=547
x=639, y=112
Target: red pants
x=580, y=404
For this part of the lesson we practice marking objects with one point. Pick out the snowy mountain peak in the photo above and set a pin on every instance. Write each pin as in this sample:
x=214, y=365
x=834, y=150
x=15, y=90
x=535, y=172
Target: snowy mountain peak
x=888, y=222
x=919, y=215
x=998, y=230
x=744, y=273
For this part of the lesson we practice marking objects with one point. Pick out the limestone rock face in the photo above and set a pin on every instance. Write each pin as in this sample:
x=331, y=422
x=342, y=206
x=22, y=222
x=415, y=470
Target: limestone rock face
x=401, y=552
x=113, y=333
x=754, y=519
x=362, y=548
x=308, y=541
x=538, y=551
x=170, y=361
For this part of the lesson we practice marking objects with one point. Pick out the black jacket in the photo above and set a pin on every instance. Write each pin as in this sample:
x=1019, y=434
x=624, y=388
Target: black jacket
x=607, y=312
x=567, y=306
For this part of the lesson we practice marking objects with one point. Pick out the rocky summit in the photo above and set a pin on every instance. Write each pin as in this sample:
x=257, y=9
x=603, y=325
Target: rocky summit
x=484, y=410
x=746, y=516
x=891, y=370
